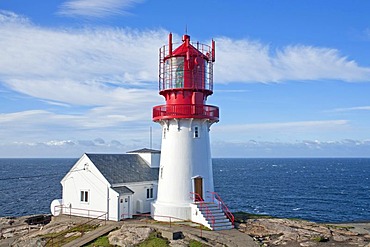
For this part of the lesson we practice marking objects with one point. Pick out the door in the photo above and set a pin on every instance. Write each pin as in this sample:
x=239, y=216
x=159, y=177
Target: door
x=124, y=207
x=198, y=188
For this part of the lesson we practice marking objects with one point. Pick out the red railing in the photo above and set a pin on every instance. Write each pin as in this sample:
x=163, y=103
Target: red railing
x=185, y=111
x=217, y=199
x=199, y=200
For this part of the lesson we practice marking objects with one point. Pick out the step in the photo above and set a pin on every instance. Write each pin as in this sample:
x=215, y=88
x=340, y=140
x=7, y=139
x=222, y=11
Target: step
x=218, y=214
x=220, y=217
x=216, y=228
x=222, y=226
x=208, y=205
x=220, y=220
x=210, y=209
x=218, y=224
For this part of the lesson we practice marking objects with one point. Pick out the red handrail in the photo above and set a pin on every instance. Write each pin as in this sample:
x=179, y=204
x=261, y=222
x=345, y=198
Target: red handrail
x=223, y=206
x=185, y=111
x=198, y=199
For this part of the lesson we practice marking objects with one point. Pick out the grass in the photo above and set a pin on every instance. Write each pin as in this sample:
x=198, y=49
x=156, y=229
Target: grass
x=320, y=239
x=58, y=238
x=102, y=241
x=154, y=240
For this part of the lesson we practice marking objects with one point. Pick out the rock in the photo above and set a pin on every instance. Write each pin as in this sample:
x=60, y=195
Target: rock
x=279, y=232
x=73, y=234
x=307, y=244
x=29, y=242
x=129, y=236
x=340, y=238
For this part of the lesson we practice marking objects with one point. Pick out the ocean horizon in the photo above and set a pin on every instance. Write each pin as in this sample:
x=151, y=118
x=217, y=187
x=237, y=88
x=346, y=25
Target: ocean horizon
x=317, y=189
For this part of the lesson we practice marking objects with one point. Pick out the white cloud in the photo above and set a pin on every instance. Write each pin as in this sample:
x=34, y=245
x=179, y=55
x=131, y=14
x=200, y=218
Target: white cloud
x=357, y=108
x=97, y=8
x=79, y=67
x=248, y=61
x=306, y=125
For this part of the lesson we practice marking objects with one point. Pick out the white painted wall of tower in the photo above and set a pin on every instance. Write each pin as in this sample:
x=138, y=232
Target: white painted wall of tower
x=184, y=156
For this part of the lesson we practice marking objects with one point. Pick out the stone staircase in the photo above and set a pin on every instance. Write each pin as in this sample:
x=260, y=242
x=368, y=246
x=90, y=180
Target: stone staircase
x=210, y=212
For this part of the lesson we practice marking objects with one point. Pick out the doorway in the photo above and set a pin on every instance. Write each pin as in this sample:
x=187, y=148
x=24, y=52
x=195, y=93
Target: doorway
x=198, y=188
x=124, y=207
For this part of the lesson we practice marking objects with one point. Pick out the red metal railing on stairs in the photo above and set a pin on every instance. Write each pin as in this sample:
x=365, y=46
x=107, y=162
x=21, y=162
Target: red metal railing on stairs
x=222, y=206
x=208, y=214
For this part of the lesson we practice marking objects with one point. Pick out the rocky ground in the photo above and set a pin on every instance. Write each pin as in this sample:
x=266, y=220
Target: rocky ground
x=134, y=235
x=16, y=232
x=265, y=232
x=288, y=232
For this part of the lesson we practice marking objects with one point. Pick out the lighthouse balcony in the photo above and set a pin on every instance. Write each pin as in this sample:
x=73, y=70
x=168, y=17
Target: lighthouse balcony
x=185, y=111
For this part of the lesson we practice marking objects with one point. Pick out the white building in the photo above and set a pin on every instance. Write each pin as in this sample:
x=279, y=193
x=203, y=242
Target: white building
x=114, y=186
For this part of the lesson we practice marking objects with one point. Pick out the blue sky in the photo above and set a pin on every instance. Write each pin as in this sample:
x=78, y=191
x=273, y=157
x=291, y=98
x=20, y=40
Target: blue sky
x=292, y=78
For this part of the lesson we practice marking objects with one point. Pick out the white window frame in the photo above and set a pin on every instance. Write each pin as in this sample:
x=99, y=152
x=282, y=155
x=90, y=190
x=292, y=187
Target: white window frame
x=150, y=193
x=84, y=196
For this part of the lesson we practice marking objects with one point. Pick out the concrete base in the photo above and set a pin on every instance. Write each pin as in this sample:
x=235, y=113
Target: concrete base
x=170, y=212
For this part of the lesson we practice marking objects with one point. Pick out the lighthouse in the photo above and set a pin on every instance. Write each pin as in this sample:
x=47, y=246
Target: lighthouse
x=185, y=182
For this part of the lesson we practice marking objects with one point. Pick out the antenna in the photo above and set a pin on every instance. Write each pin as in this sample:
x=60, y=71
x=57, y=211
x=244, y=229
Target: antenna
x=151, y=138
x=186, y=28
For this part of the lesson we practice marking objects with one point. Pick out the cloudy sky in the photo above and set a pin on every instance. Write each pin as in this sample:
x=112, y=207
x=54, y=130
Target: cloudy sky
x=292, y=78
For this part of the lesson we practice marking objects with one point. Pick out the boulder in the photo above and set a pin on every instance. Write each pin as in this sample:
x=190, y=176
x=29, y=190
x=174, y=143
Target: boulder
x=129, y=235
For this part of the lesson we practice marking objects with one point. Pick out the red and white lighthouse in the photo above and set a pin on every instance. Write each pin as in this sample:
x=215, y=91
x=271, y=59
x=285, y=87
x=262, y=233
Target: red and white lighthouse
x=185, y=184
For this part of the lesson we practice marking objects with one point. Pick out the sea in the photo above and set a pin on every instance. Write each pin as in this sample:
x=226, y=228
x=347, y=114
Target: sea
x=332, y=190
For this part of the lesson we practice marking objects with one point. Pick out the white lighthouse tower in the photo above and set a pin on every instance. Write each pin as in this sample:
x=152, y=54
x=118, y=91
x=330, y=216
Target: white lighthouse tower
x=185, y=184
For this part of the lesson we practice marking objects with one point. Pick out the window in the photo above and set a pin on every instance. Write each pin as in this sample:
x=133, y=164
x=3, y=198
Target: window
x=84, y=196
x=174, y=72
x=164, y=133
x=196, y=132
x=149, y=193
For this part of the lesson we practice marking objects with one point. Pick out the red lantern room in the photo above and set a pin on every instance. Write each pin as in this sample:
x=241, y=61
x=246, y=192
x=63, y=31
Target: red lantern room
x=186, y=80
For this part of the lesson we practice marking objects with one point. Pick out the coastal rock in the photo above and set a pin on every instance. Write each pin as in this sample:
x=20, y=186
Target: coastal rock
x=340, y=238
x=129, y=236
x=286, y=232
x=73, y=234
x=307, y=244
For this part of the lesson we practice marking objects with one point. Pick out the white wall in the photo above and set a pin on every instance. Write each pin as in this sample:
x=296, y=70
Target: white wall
x=113, y=212
x=140, y=190
x=152, y=159
x=183, y=157
x=84, y=176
